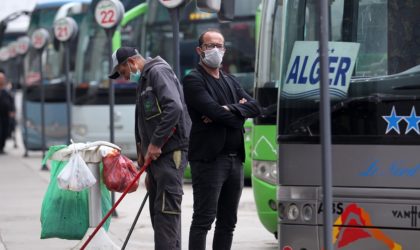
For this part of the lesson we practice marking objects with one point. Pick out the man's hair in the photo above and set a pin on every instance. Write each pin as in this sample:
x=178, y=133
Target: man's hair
x=201, y=38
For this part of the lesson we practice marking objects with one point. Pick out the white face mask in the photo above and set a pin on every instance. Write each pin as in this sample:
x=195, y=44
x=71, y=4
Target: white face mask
x=213, y=57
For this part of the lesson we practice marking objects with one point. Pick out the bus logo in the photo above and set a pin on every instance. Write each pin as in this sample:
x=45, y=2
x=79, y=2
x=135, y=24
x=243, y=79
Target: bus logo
x=357, y=217
x=303, y=73
x=413, y=215
x=393, y=121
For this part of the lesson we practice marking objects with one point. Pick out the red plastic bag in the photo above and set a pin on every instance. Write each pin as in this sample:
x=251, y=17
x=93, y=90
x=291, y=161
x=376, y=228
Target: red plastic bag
x=119, y=172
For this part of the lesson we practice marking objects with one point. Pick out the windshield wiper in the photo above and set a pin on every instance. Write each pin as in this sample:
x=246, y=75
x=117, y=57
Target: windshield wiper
x=407, y=87
x=302, y=125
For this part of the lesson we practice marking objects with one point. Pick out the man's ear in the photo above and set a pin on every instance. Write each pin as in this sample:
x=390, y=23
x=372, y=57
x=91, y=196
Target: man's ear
x=199, y=52
x=131, y=61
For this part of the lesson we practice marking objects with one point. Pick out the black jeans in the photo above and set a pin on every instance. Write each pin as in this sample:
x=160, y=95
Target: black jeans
x=4, y=129
x=217, y=189
x=165, y=189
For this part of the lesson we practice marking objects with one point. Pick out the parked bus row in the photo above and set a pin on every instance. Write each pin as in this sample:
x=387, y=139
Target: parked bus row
x=145, y=25
x=273, y=49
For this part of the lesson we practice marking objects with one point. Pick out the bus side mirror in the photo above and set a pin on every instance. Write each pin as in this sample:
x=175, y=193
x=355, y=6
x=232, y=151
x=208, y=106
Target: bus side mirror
x=211, y=6
x=227, y=11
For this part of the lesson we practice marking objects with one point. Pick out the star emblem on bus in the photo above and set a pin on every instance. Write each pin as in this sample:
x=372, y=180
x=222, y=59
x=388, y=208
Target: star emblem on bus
x=412, y=122
x=393, y=120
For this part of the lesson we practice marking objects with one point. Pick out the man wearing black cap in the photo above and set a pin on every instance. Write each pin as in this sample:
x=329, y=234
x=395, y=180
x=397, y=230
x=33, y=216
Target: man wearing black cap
x=162, y=127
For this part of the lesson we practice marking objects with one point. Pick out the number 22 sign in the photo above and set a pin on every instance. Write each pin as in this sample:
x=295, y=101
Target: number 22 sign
x=108, y=13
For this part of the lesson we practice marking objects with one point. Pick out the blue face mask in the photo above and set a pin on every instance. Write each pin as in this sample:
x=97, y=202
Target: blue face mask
x=134, y=77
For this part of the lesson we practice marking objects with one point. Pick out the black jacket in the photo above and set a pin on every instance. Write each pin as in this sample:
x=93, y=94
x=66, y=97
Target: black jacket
x=208, y=139
x=160, y=108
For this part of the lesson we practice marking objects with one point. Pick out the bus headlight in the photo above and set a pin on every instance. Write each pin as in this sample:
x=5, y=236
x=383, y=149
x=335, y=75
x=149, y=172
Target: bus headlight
x=292, y=212
x=265, y=170
x=307, y=212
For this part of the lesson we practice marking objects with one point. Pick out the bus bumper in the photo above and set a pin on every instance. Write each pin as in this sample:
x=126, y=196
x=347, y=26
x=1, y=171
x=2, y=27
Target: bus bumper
x=265, y=200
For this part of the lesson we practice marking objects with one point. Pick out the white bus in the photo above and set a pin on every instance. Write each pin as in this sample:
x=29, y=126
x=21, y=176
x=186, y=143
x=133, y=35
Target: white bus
x=374, y=76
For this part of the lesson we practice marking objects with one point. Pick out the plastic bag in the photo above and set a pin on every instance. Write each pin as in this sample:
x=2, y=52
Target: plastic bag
x=65, y=214
x=76, y=175
x=119, y=172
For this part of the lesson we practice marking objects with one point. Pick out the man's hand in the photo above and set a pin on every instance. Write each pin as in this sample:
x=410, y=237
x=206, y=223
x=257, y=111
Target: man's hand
x=243, y=100
x=140, y=160
x=153, y=152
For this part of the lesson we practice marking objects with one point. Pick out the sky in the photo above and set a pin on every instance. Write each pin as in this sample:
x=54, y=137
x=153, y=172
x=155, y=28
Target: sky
x=10, y=6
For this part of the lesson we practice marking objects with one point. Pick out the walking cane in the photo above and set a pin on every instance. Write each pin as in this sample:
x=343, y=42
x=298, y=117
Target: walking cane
x=135, y=221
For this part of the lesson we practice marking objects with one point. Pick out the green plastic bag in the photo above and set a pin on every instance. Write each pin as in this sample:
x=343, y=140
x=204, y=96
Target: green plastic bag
x=64, y=213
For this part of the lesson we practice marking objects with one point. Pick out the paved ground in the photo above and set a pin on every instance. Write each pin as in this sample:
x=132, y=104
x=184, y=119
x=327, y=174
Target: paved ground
x=23, y=185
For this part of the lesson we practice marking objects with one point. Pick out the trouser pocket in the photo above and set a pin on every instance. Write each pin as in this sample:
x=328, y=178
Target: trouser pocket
x=171, y=203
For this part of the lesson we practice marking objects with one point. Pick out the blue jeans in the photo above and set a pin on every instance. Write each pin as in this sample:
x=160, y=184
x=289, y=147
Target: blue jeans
x=217, y=188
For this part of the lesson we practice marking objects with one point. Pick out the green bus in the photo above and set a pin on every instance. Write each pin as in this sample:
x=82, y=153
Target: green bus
x=148, y=27
x=264, y=147
x=239, y=40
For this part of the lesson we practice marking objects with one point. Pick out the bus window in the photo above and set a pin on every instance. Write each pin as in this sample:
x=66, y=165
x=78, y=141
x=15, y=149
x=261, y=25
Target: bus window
x=239, y=38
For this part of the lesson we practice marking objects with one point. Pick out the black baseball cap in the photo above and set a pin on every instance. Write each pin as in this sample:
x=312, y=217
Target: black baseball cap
x=120, y=56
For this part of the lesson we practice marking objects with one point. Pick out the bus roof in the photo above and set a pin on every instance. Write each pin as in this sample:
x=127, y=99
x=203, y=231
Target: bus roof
x=56, y=3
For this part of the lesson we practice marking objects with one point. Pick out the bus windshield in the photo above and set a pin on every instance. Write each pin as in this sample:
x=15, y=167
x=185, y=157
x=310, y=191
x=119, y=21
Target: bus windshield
x=373, y=57
x=266, y=90
x=52, y=57
x=239, y=37
x=92, y=66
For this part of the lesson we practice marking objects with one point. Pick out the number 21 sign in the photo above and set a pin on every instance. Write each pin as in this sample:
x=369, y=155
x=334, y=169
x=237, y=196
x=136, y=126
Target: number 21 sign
x=108, y=13
x=65, y=29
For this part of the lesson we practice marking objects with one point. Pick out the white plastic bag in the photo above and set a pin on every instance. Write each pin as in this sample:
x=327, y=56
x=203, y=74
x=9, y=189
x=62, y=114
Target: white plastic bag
x=76, y=175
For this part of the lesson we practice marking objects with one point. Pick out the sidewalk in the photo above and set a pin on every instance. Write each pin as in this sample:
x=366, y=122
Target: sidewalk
x=23, y=185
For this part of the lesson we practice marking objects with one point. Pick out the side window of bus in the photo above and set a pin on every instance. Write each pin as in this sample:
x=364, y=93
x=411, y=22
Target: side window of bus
x=131, y=33
x=403, y=35
x=276, y=47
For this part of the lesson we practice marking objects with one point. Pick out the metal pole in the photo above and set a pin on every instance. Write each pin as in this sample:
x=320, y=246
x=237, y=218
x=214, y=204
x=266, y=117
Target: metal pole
x=14, y=90
x=111, y=93
x=68, y=93
x=325, y=123
x=42, y=88
x=175, y=42
x=95, y=210
x=24, y=116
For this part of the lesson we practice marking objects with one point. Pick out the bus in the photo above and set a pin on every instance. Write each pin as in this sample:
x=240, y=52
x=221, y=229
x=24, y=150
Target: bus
x=12, y=27
x=91, y=103
x=264, y=148
x=239, y=41
x=53, y=63
x=374, y=88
